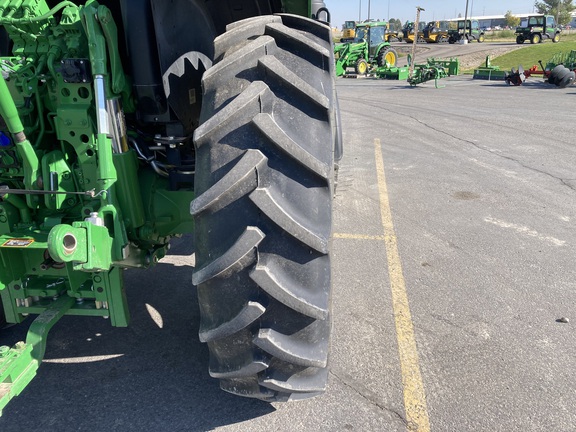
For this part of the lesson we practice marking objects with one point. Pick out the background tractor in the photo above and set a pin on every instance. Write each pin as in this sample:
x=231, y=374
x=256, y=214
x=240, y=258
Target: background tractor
x=368, y=48
x=126, y=123
x=436, y=32
x=470, y=32
x=408, y=32
x=349, y=30
x=388, y=35
x=536, y=28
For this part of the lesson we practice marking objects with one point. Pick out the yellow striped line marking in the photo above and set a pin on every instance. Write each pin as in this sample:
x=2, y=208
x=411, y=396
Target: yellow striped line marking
x=414, y=395
x=357, y=236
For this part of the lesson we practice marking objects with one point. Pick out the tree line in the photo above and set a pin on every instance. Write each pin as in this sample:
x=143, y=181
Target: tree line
x=560, y=9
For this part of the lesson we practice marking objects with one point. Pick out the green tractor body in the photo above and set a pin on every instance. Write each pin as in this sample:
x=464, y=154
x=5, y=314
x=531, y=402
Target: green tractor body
x=368, y=47
x=469, y=32
x=352, y=27
x=537, y=28
x=115, y=138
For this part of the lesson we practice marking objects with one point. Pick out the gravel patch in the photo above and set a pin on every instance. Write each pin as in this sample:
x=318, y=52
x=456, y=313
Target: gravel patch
x=467, y=60
x=473, y=60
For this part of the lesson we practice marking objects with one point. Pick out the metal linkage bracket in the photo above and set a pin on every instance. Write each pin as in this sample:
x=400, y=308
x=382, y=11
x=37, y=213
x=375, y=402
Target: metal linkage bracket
x=18, y=365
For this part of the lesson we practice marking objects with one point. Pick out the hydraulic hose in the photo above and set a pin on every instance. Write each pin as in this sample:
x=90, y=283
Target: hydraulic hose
x=8, y=110
x=49, y=14
x=30, y=161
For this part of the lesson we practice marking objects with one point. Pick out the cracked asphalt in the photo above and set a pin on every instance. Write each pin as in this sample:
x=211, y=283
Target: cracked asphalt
x=481, y=185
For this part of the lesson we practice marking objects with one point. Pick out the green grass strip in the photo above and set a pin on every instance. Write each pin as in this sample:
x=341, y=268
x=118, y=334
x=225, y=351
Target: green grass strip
x=529, y=56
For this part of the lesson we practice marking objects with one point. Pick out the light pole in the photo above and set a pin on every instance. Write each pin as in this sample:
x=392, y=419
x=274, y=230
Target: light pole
x=360, y=11
x=465, y=35
x=388, y=10
x=368, y=10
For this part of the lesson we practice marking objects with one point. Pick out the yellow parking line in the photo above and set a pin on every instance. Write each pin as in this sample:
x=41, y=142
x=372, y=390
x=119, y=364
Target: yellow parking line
x=357, y=236
x=414, y=395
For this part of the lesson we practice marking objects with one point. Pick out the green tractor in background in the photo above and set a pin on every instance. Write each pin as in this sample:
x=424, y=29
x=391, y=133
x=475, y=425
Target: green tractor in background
x=126, y=123
x=536, y=28
x=470, y=32
x=388, y=36
x=368, y=48
x=350, y=29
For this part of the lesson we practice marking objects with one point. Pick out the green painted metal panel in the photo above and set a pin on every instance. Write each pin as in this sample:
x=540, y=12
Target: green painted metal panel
x=298, y=7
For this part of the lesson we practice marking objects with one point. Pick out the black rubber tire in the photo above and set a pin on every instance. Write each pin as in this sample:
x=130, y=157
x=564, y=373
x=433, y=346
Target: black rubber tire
x=558, y=74
x=535, y=39
x=561, y=76
x=567, y=80
x=520, y=40
x=381, y=60
x=338, y=139
x=556, y=38
x=263, y=207
x=361, y=67
x=481, y=38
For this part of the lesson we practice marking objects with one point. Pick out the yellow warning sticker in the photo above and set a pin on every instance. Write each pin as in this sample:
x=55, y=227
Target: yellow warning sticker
x=18, y=242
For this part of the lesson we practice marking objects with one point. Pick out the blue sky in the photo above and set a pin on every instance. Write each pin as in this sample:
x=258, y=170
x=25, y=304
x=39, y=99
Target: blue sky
x=343, y=10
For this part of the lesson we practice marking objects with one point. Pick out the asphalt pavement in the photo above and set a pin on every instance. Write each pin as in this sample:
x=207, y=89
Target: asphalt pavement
x=481, y=184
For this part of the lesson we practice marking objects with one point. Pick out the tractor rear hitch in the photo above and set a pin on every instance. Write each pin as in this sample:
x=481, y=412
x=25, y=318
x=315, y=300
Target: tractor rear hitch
x=18, y=365
x=434, y=69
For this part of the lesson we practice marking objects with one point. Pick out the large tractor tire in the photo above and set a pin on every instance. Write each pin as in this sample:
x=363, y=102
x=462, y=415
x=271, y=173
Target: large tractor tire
x=264, y=179
x=387, y=56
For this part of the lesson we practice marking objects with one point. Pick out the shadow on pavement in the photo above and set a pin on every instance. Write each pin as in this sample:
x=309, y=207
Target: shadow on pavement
x=152, y=375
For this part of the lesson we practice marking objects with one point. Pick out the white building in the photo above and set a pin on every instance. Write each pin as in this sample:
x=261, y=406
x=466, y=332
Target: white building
x=491, y=21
